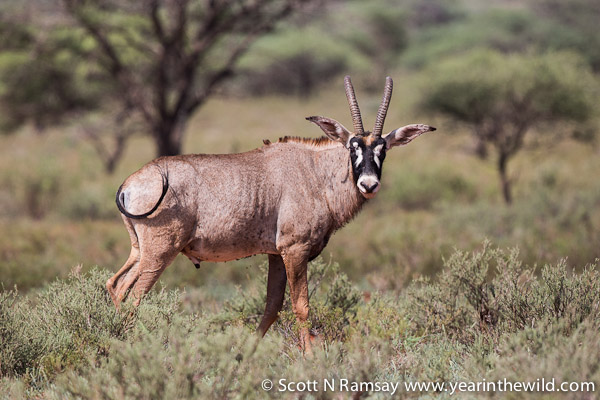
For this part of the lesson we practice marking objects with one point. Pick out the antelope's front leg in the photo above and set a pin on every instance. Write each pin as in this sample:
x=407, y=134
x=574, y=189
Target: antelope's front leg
x=296, y=262
x=275, y=293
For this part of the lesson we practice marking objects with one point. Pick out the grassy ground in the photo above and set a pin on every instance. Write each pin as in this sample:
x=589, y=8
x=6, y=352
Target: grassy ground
x=69, y=342
x=63, y=338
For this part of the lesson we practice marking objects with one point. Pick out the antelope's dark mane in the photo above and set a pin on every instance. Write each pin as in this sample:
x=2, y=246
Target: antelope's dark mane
x=321, y=142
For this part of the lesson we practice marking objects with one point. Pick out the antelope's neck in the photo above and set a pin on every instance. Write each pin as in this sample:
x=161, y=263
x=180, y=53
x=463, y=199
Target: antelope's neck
x=343, y=197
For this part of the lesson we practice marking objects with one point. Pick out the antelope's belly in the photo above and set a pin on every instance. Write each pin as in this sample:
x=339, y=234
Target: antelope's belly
x=220, y=251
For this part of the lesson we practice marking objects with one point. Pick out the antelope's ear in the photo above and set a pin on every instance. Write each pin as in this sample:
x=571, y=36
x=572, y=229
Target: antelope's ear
x=406, y=134
x=333, y=129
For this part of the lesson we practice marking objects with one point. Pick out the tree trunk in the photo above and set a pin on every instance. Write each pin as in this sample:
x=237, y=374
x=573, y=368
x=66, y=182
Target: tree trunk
x=169, y=137
x=504, y=180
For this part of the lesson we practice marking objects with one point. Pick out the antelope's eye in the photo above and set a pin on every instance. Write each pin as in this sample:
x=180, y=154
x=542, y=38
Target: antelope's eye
x=377, y=149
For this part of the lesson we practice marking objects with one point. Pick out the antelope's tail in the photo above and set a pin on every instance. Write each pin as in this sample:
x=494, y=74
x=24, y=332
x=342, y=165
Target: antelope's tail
x=121, y=197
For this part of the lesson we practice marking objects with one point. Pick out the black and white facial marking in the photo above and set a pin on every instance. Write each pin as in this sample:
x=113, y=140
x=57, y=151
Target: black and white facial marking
x=367, y=154
x=367, y=150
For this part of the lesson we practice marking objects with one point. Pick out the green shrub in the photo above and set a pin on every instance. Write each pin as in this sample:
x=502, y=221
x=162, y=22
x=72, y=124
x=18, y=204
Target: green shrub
x=56, y=329
x=180, y=360
x=197, y=360
x=485, y=316
x=466, y=300
x=296, y=61
x=544, y=351
x=380, y=317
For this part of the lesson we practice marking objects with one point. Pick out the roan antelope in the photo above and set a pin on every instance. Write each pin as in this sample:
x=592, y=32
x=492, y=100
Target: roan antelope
x=284, y=199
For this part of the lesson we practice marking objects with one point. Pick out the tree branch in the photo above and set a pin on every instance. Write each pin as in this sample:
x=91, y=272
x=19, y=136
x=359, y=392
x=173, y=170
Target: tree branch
x=156, y=23
x=110, y=157
x=178, y=34
x=115, y=66
x=227, y=69
x=217, y=77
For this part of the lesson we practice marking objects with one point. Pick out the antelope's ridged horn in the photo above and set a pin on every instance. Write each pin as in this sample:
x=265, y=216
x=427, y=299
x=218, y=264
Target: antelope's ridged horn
x=383, y=107
x=354, y=110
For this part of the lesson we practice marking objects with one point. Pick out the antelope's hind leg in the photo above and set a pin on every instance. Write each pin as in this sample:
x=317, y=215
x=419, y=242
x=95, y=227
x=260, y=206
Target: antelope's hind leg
x=153, y=262
x=275, y=293
x=149, y=257
x=114, y=281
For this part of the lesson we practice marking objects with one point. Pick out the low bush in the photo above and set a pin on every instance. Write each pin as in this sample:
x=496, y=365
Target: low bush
x=544, y=351
x=490, y=291
x=486, y=316
x=180, y=360
x=56, y=329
